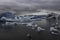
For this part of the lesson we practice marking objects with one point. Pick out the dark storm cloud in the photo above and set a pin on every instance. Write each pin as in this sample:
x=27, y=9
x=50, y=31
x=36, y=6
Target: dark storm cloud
x=41, y=2
x=20, y=6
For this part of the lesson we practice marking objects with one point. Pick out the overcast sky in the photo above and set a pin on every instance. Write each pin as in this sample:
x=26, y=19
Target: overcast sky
x=32, y=4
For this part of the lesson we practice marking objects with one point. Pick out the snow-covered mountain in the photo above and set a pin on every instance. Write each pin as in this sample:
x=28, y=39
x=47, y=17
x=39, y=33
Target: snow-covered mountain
x=7, y=15
x=26, y=18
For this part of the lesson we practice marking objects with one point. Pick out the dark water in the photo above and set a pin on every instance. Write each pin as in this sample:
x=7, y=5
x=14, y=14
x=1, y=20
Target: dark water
x=19, y=32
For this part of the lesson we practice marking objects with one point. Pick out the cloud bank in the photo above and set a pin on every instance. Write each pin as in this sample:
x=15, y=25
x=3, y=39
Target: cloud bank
x=22, y=6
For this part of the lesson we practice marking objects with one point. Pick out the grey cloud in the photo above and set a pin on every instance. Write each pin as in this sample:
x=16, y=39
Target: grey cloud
x=21, y=6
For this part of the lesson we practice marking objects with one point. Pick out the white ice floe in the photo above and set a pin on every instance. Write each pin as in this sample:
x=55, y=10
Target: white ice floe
x=29, y=24
x=54, y=30
x=40, y=29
